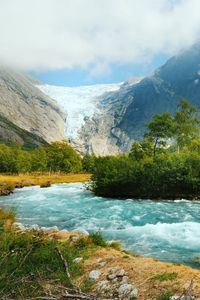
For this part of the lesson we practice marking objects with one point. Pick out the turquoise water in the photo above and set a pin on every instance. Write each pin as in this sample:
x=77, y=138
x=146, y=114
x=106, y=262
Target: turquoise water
x=168, y=230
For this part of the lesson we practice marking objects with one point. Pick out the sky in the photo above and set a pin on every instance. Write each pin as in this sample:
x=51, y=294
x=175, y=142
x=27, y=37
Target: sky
x=80, y=42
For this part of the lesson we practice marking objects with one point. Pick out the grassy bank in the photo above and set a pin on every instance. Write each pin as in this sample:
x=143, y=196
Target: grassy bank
x=9, y=182
x=37, y=265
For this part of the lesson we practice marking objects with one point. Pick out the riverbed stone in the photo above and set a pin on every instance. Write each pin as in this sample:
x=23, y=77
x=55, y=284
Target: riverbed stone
x=94, y=275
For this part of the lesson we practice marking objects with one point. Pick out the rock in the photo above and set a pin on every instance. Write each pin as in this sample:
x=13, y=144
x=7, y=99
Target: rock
x=34, y=227
x=81, y=231
x=120, y=273
x=39, y=118
x=78, y=259
x=64, y=231
x=49, y=229
x=94, y=275
x=103, y=285
x=124, y=279
x=133, y=294
x=127, y=290
x=111, y=276
x=115, y=280
x=73, y=238
x=19, y=226
x=102, y=264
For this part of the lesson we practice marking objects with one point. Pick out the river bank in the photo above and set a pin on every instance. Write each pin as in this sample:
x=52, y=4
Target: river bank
x=9, y=182
x=57, y=264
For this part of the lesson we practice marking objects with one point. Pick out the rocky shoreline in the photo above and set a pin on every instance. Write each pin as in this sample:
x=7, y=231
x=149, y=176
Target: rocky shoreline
x=116, y=274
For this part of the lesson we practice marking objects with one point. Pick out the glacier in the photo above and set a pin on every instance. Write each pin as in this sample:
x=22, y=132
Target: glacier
x=80, y=103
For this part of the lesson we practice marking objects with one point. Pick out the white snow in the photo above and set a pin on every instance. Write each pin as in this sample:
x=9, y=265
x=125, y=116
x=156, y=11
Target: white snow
x=79, y=103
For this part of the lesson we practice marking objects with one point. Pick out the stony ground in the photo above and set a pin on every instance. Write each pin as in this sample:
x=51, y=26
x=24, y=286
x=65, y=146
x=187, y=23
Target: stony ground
x=117, y=275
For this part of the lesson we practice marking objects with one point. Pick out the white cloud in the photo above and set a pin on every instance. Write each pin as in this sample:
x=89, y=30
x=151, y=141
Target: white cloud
x=51, y=34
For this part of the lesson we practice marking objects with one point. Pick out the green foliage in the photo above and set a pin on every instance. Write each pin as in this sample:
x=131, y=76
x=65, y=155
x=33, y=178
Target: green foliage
x=29, y=261
x=142, y=174
x=186, y=123
x=88, y=163
x=97, y=239
x=58, y=156
x=165, y=296
x=160, y=129
x=165, y=276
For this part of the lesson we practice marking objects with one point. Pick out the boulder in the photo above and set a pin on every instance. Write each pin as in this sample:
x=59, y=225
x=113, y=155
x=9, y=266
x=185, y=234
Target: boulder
x=94, y=275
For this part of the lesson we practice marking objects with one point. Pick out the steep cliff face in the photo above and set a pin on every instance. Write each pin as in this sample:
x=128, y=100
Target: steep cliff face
x=25, y=106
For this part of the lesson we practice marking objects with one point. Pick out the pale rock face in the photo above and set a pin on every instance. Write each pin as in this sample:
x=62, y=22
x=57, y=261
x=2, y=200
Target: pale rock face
x=28, y=108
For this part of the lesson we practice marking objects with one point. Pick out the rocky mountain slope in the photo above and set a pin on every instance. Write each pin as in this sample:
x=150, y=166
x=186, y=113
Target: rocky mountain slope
x=26, y=114
x=106, y=120
x=91, y=116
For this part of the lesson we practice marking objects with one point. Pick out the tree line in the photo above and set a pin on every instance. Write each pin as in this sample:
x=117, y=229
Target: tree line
x=56, y=157
x=164, y=164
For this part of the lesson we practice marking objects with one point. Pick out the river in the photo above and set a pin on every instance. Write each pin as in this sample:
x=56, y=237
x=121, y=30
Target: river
x=167, y=230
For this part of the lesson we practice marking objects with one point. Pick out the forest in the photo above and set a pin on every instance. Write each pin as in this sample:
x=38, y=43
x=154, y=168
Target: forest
x=165, y=164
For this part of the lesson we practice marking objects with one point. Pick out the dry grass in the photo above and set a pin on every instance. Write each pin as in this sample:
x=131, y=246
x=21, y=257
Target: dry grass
x=41, y=179
x=144, y=273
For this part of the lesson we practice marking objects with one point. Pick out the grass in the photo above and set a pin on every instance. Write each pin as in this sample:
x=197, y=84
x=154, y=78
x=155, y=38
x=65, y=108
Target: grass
x=30, y=262
x=9, y=182
x=165, y=296
x=165, y=276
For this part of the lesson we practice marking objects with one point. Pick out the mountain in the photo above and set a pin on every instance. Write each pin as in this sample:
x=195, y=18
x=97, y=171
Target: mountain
x=26, y=114
x=127, y=110
x=81, y=104
x=177, y=79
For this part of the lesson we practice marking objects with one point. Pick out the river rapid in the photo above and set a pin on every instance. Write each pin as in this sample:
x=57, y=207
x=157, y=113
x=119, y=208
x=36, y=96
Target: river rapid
x=167, y=230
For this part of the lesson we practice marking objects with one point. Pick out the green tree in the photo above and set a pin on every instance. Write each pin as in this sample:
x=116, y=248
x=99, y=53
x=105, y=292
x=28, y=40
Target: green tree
x=160, y=129
x=136, y=151
x=186, y=123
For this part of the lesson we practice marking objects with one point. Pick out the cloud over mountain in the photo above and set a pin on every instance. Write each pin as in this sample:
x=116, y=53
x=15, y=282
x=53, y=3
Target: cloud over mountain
x=93, y=34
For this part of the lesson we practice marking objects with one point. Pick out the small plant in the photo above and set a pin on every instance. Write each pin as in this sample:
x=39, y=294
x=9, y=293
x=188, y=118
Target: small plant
x=165, y=296
x=87, y=286
x=116, y=245
x=98, y=240
x=165, y=276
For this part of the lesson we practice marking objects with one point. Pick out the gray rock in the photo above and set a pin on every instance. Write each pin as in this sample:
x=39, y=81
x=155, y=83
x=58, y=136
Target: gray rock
x=124, y=279
x=120, y=273
x=103, y=285
x=111, y=276
x=34, y=227
x=127, y=290
x=94, y=275
x=133, y=294
x=78, y=259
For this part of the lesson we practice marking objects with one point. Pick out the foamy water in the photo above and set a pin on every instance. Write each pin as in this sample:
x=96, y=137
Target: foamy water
x=168, y=230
